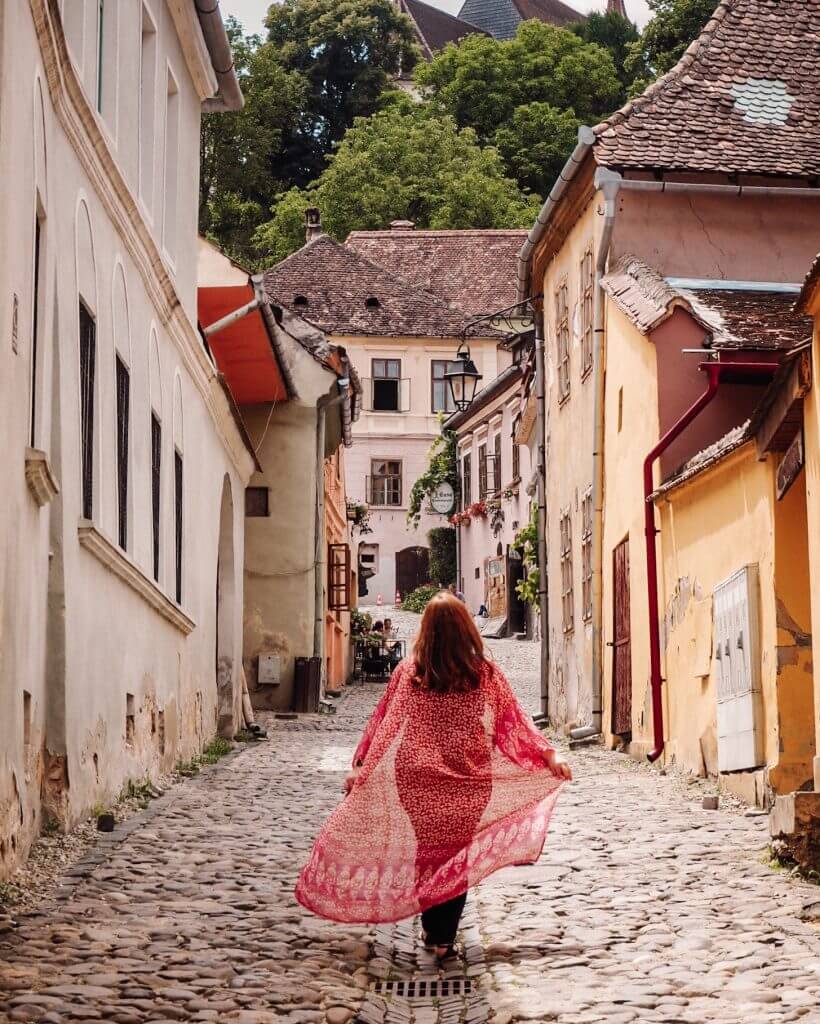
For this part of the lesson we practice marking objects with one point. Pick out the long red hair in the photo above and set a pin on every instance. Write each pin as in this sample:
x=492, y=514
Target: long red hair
x=449, y=652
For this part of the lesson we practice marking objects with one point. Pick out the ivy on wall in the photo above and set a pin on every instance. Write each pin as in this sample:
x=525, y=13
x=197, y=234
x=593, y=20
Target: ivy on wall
x=442, y=467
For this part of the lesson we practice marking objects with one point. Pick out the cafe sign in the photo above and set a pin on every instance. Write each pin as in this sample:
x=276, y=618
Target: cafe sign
x=790, y=465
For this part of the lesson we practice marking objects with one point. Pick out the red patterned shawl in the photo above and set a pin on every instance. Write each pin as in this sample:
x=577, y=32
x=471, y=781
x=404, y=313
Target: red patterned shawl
x=453, y=786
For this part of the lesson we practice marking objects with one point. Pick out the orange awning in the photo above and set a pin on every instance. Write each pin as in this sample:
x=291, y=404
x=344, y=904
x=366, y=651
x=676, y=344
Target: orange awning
x=244, y=351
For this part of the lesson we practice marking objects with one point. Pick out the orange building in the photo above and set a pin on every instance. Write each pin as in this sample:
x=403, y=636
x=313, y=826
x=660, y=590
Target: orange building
x=340, y=589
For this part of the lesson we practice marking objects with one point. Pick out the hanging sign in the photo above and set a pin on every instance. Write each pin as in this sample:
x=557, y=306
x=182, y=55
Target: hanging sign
x=443, y=498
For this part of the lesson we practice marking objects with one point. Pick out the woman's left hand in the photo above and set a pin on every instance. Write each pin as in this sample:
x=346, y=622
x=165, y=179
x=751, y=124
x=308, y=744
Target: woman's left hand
x=559, y=767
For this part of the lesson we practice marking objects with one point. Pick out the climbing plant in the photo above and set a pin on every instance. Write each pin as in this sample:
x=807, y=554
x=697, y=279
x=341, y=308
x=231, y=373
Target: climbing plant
x=442, y=467
x=526, y=543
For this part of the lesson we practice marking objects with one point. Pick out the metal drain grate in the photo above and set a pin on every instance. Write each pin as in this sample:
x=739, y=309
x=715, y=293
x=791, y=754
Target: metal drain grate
x=425, y=988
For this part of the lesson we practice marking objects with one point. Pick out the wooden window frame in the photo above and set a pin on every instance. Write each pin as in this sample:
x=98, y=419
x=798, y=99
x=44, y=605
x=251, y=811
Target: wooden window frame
x=179, y=510
x=338, y=577
x=586, y=555
x=449, y=403
x=516, y=451
x=467, y=480
x=497, y=464
x=156, y=491
x=386, y=476
x=385, y=375
x=482, y=471
x=567, y=594
x=562, y=341
x=587, y=299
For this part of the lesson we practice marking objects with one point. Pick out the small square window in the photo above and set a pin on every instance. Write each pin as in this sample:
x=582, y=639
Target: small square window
x=257, y=502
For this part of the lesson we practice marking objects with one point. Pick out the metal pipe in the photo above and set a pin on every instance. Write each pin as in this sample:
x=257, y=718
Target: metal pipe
x=715, y=370
x=231, y=318
x=228, y=95
x=322, y=407
x=610, y=183
x=639, y=185
x=586, y=138
x=541, y=498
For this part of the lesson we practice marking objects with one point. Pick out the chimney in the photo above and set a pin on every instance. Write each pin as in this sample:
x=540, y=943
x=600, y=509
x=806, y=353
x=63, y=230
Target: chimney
x=402, y=225
x=313, y=223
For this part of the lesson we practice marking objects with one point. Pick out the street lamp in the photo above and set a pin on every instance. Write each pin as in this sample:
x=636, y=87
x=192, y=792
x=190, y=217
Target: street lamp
x=462, y=378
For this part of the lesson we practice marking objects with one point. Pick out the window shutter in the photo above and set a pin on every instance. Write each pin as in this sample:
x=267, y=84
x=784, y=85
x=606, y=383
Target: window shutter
x=338, y=587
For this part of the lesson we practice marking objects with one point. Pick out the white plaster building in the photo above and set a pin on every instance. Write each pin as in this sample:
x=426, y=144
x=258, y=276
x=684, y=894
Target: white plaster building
x=121, y=530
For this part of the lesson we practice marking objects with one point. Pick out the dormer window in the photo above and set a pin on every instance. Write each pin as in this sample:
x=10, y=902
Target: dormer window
x=300, y=301
x=372, y=303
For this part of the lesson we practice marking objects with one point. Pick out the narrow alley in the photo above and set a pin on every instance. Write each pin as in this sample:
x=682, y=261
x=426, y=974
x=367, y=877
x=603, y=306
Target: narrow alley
x=643, y=907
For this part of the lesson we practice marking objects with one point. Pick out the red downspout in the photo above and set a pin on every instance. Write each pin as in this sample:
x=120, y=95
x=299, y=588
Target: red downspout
x=714, y=370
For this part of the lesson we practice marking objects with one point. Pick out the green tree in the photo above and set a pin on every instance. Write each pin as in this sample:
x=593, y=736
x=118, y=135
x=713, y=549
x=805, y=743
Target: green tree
x=483, y=81
x=241, y=152
x=535, y=143
x=405, y=162
x=675, y=23
x=615, y=34
x=346, y=52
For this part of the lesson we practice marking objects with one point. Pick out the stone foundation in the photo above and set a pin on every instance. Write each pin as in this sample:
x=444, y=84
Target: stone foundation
x=795, y=822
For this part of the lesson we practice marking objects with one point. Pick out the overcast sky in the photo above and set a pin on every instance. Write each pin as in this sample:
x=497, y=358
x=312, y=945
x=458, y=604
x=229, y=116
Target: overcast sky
x=251, y=12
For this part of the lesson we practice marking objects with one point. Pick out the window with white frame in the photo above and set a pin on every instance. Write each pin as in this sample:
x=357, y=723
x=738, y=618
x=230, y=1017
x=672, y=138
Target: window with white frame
x=567, y=597
x=171, y=183
x=587, y=292
x=586, y=556
x=36, y=327
x=441, y=395
x=562, y=340
x=384, y=483
x=147, y=107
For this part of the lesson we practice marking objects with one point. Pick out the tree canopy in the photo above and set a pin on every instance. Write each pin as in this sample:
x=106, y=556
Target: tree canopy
x=404, y=162
x=479, y=146
x=674, y=24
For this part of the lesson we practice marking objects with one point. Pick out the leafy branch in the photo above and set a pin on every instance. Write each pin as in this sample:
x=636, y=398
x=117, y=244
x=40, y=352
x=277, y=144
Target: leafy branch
x=442, y=467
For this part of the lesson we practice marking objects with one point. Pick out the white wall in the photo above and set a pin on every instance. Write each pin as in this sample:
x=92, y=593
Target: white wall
x=73, y=634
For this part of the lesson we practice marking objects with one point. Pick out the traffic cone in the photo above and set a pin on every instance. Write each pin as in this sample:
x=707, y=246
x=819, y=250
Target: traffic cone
x=398, y=598
x=379, y=601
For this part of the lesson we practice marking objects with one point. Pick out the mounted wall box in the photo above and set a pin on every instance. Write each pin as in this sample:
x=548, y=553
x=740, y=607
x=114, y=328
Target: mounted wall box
x=269, y=669
x=737, y=671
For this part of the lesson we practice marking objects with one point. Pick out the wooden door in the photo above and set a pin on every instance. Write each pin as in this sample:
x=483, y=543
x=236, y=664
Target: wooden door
x=621, y=646
x=412, y=569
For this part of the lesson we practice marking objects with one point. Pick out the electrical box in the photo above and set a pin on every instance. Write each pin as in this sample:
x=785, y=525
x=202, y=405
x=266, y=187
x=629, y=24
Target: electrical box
x=269, y=669
x=737, y=671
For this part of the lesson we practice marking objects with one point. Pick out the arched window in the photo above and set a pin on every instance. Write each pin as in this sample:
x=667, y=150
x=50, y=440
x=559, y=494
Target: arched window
x=179, y=509
x=87, y=326
x=155, y=403
x=122, y=382
x=38, y=265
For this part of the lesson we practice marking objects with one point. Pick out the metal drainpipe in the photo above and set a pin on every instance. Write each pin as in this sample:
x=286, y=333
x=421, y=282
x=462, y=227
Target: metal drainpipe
x=715, y=371
x=610, y=183
x=322, y=407
x=541, y=467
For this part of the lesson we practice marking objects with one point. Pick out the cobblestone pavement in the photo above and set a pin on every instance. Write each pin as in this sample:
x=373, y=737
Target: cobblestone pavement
x=644, y=907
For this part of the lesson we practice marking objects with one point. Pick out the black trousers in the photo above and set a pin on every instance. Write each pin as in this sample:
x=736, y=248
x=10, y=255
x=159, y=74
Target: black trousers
x=440, y=923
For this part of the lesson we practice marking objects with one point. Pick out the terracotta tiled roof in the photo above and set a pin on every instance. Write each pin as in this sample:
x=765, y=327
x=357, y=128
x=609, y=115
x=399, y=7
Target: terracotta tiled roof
x=347, y=294
x=744, y=98
x=436, y=28
x=472, y=270
x=554, y=12
x=739, y=318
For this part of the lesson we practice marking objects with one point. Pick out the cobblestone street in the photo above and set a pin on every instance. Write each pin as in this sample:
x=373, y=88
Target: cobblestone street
x=644, y=907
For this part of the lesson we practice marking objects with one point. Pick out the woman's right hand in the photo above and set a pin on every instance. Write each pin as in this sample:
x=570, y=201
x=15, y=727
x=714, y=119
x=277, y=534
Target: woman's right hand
x=350, y=779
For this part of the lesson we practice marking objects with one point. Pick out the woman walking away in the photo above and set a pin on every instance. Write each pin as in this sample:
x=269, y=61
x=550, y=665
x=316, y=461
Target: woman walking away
x=450, y=782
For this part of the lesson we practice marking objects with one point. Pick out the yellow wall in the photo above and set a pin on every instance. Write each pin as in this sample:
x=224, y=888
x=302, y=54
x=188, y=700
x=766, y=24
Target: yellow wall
x=721, y=521
x=631, y=386
x=811, y=433
x=337, y=623
x=795, y=698
x=569, y=431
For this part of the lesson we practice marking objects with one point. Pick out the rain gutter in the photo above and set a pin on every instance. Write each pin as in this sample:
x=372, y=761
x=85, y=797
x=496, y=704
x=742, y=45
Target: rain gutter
x=228, y=94
x=715, y=372
x=586, y=138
